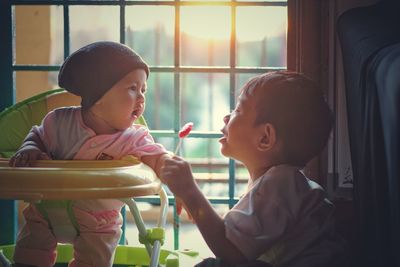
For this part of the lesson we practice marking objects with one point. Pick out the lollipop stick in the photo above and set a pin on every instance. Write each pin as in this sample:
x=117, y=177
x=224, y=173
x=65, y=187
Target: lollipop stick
x=178, y=146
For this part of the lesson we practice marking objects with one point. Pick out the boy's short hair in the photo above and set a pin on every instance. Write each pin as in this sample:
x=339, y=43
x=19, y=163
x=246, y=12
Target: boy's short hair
x=296, y=107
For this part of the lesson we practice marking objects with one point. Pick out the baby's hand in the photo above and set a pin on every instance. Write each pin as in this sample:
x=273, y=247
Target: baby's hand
x=177, y=175
x=26, y=155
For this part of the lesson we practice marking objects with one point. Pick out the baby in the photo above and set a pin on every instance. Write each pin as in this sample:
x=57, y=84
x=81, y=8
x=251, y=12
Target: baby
x=111, y=80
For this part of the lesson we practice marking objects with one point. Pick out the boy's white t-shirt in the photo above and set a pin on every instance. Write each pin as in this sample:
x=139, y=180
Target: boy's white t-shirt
x=283, y=219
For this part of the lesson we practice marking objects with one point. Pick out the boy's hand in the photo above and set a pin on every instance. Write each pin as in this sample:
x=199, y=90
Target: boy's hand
x=179, y=206
x=26, y=155
x=177, y=175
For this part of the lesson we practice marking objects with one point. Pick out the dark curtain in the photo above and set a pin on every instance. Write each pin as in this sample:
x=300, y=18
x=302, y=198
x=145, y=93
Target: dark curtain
x=370, y=42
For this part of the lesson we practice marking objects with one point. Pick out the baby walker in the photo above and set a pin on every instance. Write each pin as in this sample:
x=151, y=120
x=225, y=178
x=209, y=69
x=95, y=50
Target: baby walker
x=122, y=179
x=71, y=180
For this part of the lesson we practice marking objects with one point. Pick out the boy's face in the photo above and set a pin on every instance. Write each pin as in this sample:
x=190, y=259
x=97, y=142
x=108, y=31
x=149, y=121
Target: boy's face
x=124, y=102
x=239, y=140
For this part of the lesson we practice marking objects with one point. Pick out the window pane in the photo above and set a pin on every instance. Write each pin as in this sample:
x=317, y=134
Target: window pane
x=89, y=24
x=159, y=112
x=150, y=32
x=143, y=0
x=213, y=184
x=167, y=142
x=242, y=177
x=205, y=35
x=209, y=166
x=205, y=99
x=202, y=151
x=57, y=35
x=208, y=0
x=36, y=29
x=261, y=36
x=284, y=1
x=30, y=83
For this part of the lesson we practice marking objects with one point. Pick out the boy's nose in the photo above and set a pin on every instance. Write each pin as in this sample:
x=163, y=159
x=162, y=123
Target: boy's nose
x=226, y=118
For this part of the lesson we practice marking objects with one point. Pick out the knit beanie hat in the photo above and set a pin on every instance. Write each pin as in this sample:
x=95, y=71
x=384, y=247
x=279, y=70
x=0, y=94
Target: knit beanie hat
x=93, y=69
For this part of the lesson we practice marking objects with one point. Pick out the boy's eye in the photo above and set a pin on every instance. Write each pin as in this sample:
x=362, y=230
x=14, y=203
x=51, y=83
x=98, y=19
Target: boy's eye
x=237, y=108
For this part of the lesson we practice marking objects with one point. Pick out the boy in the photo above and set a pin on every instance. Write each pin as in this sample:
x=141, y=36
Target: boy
x=281, y=121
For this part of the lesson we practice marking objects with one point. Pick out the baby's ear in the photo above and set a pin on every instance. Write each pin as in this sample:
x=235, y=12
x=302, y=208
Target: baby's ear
x=267, y=137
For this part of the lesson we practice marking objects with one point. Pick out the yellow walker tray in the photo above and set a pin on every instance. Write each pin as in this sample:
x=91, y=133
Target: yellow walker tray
x=82, y=179
x=77, y=179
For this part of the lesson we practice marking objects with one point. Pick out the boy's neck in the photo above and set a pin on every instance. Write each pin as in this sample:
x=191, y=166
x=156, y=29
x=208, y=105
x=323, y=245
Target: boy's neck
x=258, y=168
x=255, y=174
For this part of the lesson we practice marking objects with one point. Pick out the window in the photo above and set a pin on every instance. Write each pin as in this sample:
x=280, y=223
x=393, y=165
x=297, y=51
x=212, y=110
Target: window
x=200, y=53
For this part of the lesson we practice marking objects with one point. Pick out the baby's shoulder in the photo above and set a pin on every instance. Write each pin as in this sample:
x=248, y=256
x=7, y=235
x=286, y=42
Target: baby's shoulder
x=63, y=116
x=65, y=111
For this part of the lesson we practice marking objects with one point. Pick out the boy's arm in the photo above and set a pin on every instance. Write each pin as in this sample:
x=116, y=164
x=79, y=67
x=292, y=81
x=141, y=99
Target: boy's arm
x=177, y=174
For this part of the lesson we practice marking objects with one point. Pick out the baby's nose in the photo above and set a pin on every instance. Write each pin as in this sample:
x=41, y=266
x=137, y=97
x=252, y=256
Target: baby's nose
x=140, y=96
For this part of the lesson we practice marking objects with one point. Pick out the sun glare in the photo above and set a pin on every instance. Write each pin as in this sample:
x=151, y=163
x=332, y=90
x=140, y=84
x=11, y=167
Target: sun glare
x=213, y=22
x=255, y=23
x=206, y=22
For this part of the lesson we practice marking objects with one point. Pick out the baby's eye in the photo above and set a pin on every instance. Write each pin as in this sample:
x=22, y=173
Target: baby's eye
x=133, y=88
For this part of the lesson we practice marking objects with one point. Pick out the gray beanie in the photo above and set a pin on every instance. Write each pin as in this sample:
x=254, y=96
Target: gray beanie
x=93, y=69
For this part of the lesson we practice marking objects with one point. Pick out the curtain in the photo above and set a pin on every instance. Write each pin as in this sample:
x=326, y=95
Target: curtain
x=370, y=42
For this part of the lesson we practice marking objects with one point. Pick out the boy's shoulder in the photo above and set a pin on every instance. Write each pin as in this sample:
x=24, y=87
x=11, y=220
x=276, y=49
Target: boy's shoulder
x=286, y=182
x=282, y=175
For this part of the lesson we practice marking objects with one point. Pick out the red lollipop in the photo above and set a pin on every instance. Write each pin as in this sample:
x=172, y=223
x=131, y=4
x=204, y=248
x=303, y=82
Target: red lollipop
x=183, y=132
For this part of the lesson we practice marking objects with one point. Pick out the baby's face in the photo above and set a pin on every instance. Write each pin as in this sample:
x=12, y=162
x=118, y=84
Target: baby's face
x=124, y=102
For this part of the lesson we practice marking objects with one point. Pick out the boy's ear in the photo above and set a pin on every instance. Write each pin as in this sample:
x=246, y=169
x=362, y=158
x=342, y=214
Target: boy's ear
x=267, y=138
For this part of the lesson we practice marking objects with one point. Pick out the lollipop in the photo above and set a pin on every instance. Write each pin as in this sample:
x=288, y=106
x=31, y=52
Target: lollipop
x=183, y=132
